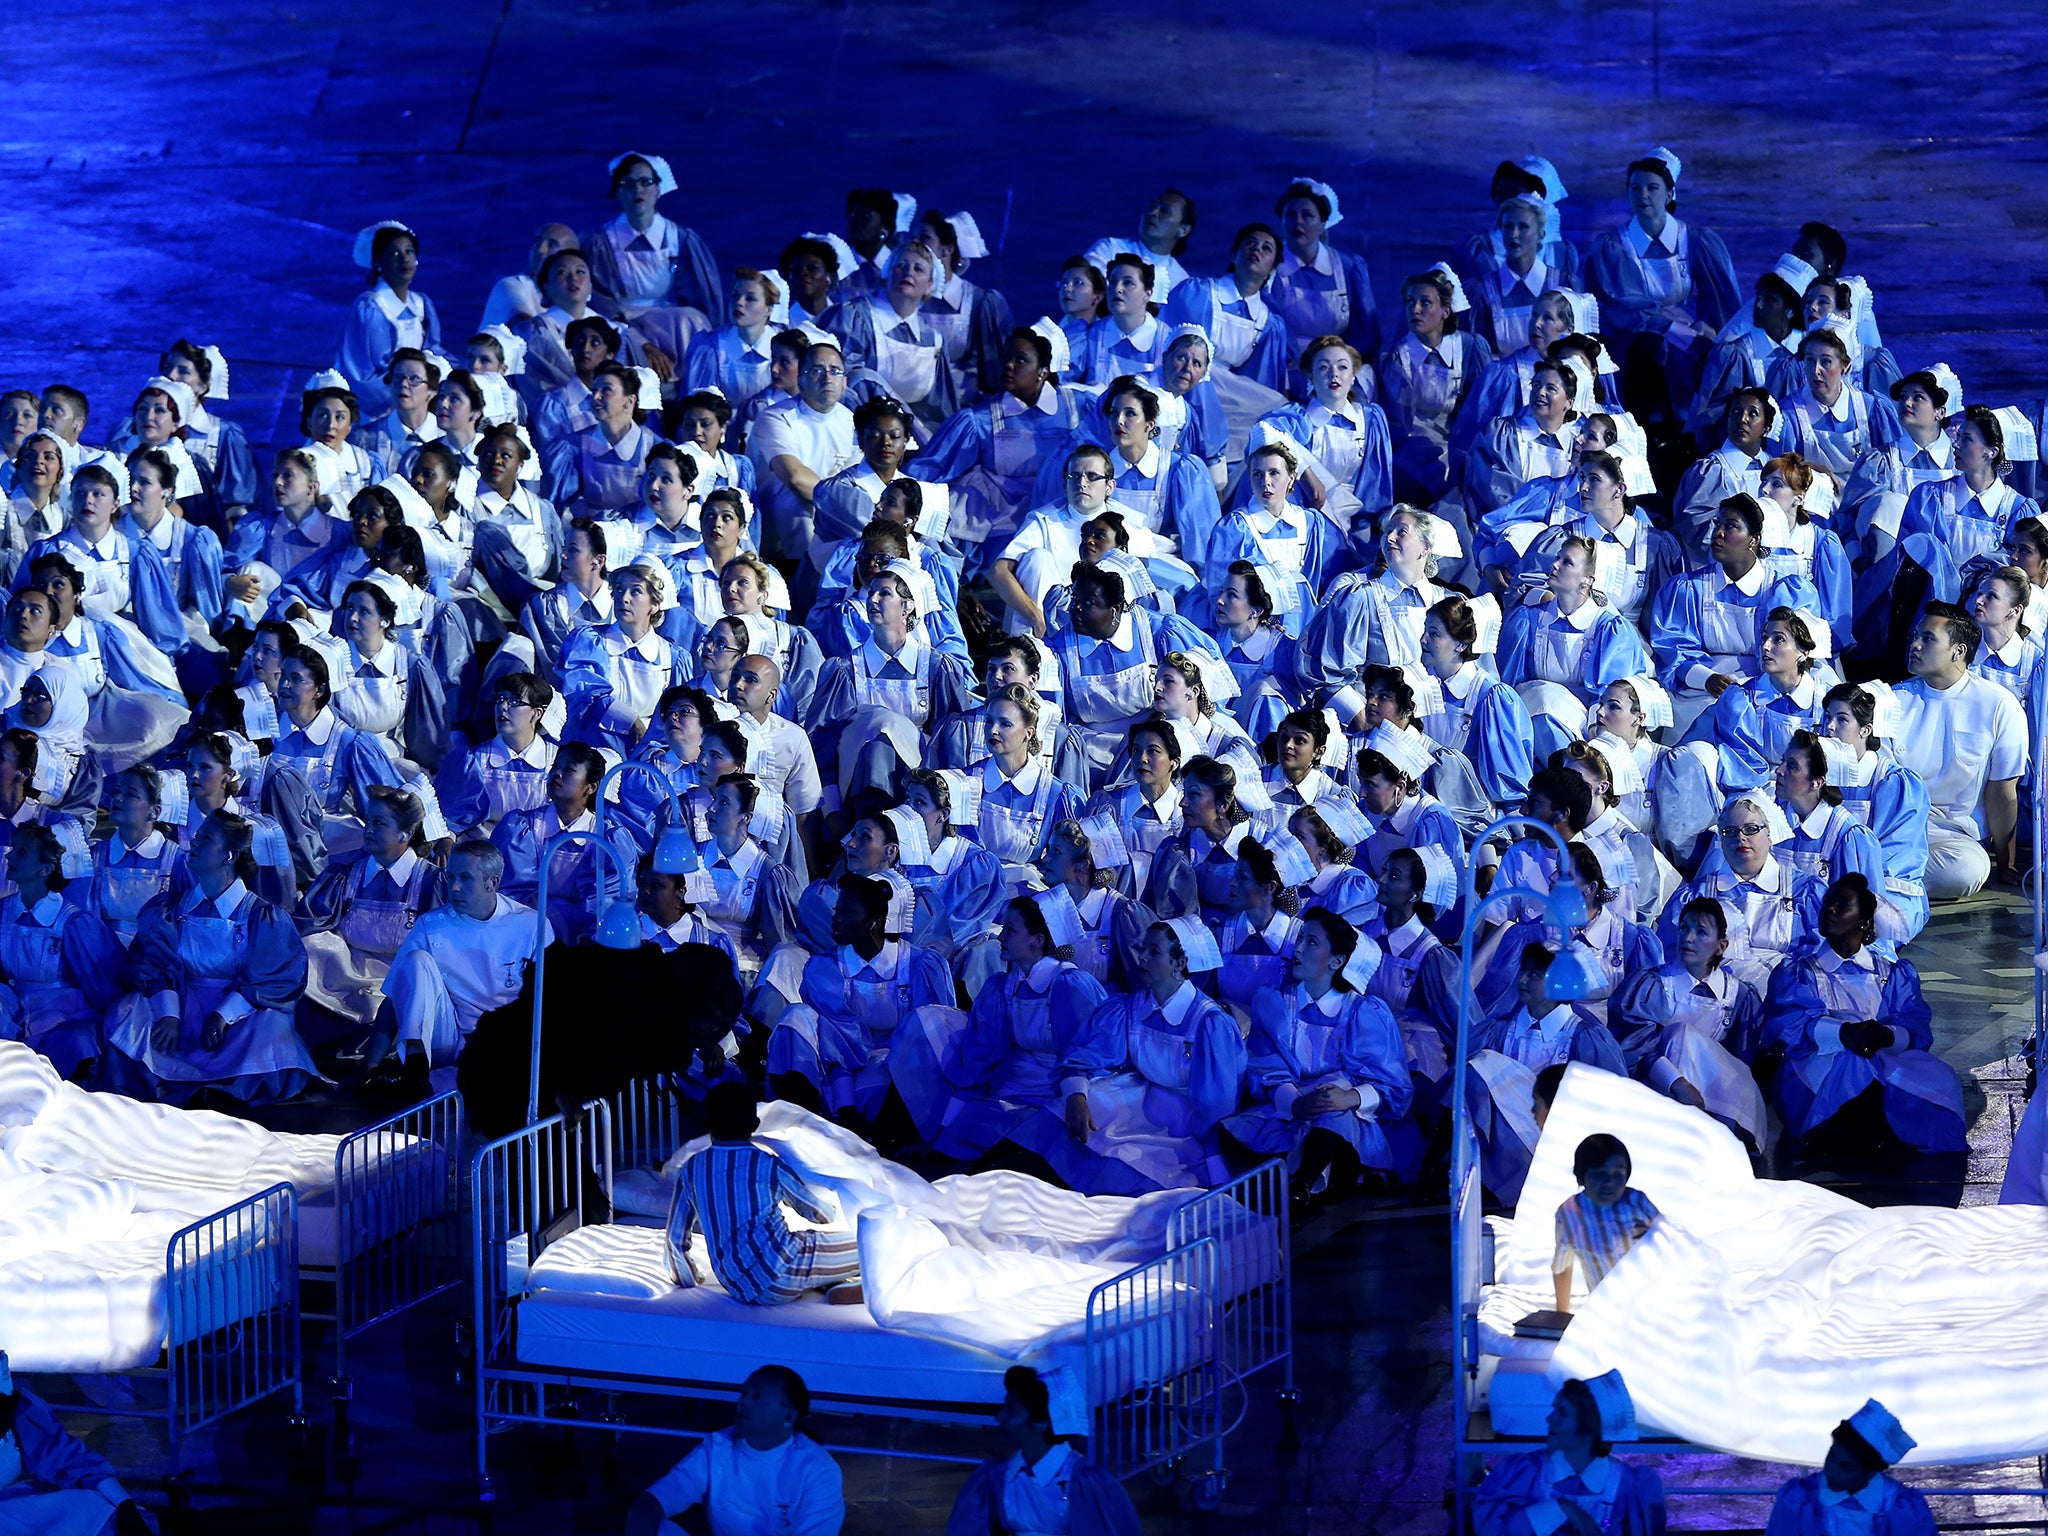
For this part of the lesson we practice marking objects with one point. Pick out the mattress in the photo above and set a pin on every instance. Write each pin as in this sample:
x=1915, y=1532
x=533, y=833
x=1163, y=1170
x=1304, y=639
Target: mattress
x=599, y=1302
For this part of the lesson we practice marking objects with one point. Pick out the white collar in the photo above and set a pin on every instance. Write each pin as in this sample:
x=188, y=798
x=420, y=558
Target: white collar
x=1552, y=1024
x=908, y=658
x=1264, y=520
x=1639, y=238
x=1870, y=1497
x=1394, y=586
x=1768, y=878
x=1276, y=933
x=1580, y=618
x=1026, y=781
x=148, y=848
x=1344, y=410
x=660, y=234
x=587, y=822
x=44, y=913
x=1625, y=533
x=393, y=306
x=1325, y=262
x=1038, y=979
x=1048, y=403
x=1329, y=1005
x=1462, y=683
x=1176, y=1007
x=1942, y=450
x=1862, y=960
x=227, y=901
x=1537, y=275
x=886, y=318
x=1141, y=337
x=1408, y=935
x=1748, y=584
x=1166, y=807
x=1050, y=1465
x=1146, y=464
x=535, y=755
x=1601, y=1473
x=648, y=647
x=74, y=633
x=385, y=662
x=2010, y=652
x=1120, y=639
x=400, y=869
x=883, y=965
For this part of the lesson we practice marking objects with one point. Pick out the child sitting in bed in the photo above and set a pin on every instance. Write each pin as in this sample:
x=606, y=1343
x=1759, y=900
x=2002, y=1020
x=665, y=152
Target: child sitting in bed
x=1603, y=1220
x=734, y=1193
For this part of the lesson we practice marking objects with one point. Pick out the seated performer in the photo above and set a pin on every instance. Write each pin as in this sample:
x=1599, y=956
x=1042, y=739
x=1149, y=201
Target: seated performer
x=1605, y=1219
x=762, y=1475
x=1046, y=1483
x=1851, y=1493
x=457, y=963
x=1851, y=1022
x=1573, y=1484
x=734, y=1193
x=52, y=1484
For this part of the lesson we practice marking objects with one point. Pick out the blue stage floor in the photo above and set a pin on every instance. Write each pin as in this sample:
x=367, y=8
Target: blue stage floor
x=203, y=173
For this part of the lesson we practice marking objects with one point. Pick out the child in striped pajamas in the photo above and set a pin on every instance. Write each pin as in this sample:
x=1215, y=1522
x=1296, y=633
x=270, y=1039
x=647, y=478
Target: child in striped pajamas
x=734, y=1192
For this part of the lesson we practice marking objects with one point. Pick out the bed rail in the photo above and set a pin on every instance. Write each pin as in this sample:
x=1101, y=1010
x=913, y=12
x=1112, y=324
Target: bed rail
x=1153, y=1372
x=526, y=1189
x=1248, y=1218
x=231, y=1321
x=398, y=1190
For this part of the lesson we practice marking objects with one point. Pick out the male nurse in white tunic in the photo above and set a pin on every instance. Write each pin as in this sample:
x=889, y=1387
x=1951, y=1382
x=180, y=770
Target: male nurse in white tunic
x=1968, y=739
x=459, y=962
x=762, y=1477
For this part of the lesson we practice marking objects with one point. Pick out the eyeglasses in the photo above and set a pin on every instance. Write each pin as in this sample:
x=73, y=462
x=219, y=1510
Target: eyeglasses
x=637, y=182
x=1747, y=829
x=817, y=372
x=1086, y=477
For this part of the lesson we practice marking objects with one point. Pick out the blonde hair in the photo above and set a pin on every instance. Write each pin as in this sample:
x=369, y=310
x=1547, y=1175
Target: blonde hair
x=1027, y=706
x=1184, y=664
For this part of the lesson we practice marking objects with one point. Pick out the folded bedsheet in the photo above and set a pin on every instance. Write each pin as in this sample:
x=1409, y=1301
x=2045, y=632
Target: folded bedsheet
x=1758, y=1314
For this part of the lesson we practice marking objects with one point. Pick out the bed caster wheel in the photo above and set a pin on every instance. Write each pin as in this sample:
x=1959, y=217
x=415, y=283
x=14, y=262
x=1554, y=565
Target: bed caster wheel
x=1205, y=1493
x=486, y=1493
x=1167, y=1472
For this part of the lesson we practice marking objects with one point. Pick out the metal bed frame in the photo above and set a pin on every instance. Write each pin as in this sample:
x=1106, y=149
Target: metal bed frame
x=231, y=1321
x=399, y=1241
x=1473, y=1436
x=529, y=1188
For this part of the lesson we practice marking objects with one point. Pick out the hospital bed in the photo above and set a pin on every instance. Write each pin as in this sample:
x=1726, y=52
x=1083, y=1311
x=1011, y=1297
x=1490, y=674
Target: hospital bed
x=167, y=1247
x=1756, y=1315
x=569, y=1303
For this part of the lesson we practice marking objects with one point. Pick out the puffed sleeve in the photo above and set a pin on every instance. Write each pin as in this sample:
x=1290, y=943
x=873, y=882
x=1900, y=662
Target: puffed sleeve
x=1501, y=744
x=1217, y=1072
x=1268, y=1067
x=1192, y=505
x=154, y=598
x=152, y=964
x=1374, y=1052
x=1636, y=1016
x=274, y=970
x=92, y=958
x=970, y=898
x=1100, y=1046
x=1792, y=1006
x=1716, y=293
x=236, y=469
x=774, y=916
x=367, y=339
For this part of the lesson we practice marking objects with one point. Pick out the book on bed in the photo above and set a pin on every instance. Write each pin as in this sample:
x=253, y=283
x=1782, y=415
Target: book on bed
x=1543, y=1325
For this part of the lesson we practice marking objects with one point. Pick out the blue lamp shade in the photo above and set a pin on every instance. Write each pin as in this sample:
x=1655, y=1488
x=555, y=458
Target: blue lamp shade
x=1571, y=976
x=618, y=926
x=674, y=853
x=1568, y=902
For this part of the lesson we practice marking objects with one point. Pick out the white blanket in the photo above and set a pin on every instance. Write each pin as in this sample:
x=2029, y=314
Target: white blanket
x=92, y=1187
x=999, y=1260
x=1759, y=1314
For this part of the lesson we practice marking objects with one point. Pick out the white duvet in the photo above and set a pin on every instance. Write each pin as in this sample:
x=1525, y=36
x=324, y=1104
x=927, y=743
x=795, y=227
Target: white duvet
x=997, y=1260
x=92, y=1188
x=1759, y=1314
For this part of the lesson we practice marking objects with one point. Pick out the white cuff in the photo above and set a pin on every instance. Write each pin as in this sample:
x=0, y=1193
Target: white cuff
x=1069, y=1086
x=1546, y=1517
x=1696, y=679
x=1663, y=1074
x=1827, y=1037
x=165, y=1005
x=1368, y=1101
x=110, y=1490
x=1284, y=1096
x=1347, y=702
x=234, y=1007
